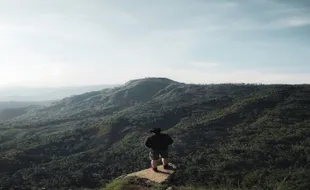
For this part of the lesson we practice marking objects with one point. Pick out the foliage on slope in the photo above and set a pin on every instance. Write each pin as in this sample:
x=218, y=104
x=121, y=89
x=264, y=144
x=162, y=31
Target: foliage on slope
x=231, y=135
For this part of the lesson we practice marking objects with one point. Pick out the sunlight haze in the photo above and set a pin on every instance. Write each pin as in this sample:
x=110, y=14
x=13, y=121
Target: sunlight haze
x=78, y=42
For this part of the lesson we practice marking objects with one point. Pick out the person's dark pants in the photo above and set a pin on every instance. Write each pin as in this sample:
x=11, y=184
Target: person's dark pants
x=154, y=154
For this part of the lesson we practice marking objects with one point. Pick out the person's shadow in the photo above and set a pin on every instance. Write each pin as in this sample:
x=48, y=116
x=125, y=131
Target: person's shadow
x=162, y=172
x=169, y=168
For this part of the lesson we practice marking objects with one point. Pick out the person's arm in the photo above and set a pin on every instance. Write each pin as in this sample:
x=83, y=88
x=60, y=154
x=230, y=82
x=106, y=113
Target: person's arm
x=170, y=141
x=148, y=143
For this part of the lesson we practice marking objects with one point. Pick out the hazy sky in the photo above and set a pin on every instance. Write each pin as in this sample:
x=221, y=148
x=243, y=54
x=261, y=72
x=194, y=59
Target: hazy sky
x=78, y=42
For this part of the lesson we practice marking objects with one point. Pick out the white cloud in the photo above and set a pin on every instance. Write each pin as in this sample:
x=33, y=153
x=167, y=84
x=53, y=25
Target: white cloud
x=294, y=22
x=204, y=64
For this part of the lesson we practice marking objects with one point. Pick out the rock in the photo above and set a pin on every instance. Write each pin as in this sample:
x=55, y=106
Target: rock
x=157, y=177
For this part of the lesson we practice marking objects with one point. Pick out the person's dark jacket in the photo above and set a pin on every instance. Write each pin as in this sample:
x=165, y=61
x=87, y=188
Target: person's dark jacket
x=158, y=141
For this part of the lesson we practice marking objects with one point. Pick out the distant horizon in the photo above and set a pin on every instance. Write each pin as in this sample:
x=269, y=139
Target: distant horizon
x=53, y=87
x=42, y=94
x=120, y=84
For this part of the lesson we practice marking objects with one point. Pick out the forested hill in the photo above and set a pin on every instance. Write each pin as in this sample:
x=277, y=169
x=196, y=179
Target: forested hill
x=12, y=109
x=231, y=135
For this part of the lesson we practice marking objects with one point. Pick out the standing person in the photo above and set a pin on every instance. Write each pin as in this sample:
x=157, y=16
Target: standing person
x=158, y=143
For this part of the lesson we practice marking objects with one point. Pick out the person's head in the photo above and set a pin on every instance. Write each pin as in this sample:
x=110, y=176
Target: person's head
x=156, y=130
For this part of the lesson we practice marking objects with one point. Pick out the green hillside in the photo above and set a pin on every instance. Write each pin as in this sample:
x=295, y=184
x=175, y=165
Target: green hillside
x=13, y=109
x=226, y=135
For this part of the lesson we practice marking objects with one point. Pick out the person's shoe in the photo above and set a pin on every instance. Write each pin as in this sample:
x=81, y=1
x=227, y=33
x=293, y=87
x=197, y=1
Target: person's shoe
x=155, y=169
x=166, y=167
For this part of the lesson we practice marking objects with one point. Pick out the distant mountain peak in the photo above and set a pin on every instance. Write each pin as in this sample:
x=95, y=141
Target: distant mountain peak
x=151, y=79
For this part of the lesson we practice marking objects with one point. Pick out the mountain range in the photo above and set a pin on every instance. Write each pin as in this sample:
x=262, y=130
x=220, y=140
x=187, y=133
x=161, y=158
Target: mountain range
x=31, y=94
x=241, y=136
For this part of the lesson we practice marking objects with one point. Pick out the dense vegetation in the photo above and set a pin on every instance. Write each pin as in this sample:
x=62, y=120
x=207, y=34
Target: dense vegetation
x=227, y=135
x=12, y=109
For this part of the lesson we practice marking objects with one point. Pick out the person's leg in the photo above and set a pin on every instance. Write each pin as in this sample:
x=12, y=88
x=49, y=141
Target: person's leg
x=164, y=155
x=165, y=161
x=154, y=163
x=154, y=157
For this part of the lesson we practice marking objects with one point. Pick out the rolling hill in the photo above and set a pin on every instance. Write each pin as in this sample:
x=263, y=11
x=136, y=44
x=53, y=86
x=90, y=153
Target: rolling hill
x=13, y=109
x=32, y=94
x=226, y=135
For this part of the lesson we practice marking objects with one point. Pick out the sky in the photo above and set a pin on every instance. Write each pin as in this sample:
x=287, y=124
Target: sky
x=46, y=43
